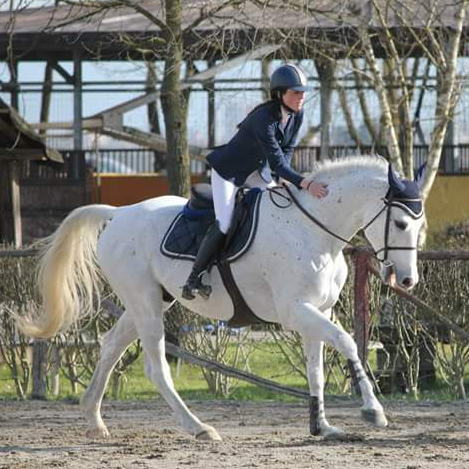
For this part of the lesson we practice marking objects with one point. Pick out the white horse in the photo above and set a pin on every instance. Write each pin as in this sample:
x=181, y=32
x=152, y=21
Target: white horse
x=292, y=275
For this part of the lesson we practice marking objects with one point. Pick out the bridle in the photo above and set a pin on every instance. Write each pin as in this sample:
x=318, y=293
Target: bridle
x=399, y=203
x=389, y=202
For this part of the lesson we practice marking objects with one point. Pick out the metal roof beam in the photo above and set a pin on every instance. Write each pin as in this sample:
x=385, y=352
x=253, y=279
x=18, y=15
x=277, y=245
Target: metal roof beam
x=63, y=73
x=150, y=140
x=113, y=117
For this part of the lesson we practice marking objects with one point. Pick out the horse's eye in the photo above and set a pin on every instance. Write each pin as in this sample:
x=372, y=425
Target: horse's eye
x=402, y=225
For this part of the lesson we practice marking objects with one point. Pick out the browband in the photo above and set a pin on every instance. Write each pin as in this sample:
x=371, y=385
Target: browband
x=397, y=202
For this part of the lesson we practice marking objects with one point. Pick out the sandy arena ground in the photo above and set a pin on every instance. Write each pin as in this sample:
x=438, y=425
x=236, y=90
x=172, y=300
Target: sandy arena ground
x=270, y=435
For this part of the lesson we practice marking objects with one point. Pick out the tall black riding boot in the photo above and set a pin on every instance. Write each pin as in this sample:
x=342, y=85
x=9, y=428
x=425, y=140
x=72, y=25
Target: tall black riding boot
x=207, y=250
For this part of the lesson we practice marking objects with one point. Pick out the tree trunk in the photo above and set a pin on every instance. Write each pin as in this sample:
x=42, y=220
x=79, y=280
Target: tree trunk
x=386, y=114
x=461, y=389
x=55, y=371
x=159, y=161
x=46, y=96
x=446, y=99
x=352, y=129
x=326, y=78
x=397, y=71
x=174, y=109
x=10, y=214
x=210, y=87
x=265, y=77
x=371, y=126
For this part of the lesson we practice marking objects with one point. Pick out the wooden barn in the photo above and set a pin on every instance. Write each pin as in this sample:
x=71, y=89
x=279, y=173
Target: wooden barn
x=19, y=145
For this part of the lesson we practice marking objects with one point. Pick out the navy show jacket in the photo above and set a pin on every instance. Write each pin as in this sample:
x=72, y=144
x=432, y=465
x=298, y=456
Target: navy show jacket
x=260, y=141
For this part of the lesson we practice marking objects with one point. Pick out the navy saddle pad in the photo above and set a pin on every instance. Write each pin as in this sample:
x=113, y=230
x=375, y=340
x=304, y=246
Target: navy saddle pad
x=186, y=232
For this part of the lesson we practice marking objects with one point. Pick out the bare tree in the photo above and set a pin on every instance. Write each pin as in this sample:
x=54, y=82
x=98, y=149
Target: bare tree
x=177, y=41
x=173, y=101
x=398, y=42
x=438, y=41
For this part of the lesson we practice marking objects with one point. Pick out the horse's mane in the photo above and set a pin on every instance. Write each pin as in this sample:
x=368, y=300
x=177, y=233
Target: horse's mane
x=340, y=166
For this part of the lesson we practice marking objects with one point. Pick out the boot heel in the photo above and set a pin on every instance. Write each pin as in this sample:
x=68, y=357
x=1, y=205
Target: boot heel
x=187, y=293
x=207, y=250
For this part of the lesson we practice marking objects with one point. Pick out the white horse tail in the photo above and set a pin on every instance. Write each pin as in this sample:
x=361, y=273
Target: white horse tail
x=68, y=276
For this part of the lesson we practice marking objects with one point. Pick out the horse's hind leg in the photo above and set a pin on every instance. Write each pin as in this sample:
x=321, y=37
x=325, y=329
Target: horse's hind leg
x=314, y=325
x=115, y=342
x=313, y=350
x=146, y=308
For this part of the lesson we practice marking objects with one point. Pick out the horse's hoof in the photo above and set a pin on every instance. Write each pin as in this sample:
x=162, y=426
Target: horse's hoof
x=209, y=434
x=97, y=433
x=332, y=432
x=375, y=417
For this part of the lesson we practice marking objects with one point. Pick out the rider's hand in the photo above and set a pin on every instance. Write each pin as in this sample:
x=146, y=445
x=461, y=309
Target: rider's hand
x=315, y=188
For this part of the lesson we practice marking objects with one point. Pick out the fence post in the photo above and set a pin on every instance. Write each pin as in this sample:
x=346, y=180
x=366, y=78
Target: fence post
x=361, y=313
x=361, y=306
x=39, y=371
x=55, y=370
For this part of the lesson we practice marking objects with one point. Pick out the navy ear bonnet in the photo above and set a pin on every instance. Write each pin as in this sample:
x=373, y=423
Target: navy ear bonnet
x=405, y=193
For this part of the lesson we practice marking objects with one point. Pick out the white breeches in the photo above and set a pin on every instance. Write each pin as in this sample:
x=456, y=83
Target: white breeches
x=224, y=196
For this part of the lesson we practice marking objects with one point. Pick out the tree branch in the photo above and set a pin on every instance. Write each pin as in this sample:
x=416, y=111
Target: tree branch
x=393, y=145
x=446, y=100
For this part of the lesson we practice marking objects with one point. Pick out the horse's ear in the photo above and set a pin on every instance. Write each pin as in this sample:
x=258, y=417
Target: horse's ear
x=395, y=183
x=420, y=174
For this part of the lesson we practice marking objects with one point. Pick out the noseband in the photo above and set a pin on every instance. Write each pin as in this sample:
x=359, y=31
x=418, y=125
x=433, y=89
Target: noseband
x=389, y=202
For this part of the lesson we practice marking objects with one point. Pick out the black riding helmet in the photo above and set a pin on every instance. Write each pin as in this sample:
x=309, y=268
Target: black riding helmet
x=288, y=76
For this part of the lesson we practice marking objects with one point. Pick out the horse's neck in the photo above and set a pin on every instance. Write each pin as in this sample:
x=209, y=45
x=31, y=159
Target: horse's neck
x=349, y=205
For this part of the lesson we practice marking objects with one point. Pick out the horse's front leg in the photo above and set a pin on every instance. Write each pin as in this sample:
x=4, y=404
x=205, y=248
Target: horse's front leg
x=309, y=321
x=318, y=425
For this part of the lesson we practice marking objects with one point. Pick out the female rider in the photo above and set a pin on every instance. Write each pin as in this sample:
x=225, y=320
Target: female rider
x=263, y=145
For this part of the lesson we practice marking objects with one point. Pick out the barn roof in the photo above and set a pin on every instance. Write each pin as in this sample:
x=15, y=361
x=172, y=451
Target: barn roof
x=19, y=141
x=61, y=29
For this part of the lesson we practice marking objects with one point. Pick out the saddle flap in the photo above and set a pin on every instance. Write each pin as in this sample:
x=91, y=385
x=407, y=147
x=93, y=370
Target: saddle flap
x=187, y=230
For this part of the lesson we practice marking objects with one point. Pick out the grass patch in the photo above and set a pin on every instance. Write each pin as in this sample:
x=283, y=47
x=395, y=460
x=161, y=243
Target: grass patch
x=265, y=361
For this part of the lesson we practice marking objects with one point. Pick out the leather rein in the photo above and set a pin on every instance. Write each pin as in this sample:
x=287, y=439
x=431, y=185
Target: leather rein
x=389, y=202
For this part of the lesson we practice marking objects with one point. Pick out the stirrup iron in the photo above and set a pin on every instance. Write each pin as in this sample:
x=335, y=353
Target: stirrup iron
x=191, y=289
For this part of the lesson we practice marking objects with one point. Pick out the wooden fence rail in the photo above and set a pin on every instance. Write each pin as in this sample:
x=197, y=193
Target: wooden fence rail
x=363, y=267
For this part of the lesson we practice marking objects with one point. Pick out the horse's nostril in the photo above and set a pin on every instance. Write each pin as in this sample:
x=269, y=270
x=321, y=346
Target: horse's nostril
x=408, y=282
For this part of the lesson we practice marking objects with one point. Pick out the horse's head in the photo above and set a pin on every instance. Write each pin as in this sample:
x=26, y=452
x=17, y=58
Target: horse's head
x=394, y=233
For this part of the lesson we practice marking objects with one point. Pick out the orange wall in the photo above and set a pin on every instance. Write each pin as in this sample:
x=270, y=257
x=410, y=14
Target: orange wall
x=119, y=189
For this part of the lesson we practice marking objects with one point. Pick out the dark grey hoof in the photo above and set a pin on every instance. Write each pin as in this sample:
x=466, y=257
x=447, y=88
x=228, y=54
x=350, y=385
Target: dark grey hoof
x=375, y=417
